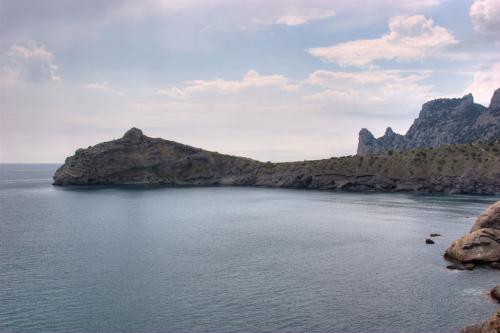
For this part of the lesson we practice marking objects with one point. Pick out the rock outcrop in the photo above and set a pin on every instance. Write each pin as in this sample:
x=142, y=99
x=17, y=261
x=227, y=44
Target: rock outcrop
x=482, y=244
x=490, y=218
x=136, y=158
x=495, y=293
x=492, y=325
x=441, y=122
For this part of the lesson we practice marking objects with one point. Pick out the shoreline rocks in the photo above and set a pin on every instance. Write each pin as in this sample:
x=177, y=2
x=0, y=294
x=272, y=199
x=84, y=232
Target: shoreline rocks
x=482, y=244
x=492, y=325
x=495, y=293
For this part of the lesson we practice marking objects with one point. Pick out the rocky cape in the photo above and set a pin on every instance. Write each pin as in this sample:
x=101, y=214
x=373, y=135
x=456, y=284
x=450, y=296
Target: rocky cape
x=441, y=122
x=139, y=159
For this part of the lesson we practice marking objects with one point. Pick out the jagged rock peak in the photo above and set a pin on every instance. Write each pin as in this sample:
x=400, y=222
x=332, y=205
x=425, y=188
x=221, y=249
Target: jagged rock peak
x=442, y=121
x=388, y=132
x=133, y=135
x=495, y=101
x=468, y=99
x=365, y=134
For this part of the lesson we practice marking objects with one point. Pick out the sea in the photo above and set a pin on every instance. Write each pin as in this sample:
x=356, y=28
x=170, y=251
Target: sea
x=231, y=259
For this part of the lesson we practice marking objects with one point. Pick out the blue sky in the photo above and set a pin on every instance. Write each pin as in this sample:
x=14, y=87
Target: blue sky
x=271, y=80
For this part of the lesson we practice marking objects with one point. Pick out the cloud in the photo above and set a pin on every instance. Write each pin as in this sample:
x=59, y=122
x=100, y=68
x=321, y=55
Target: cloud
x=485, y=16
x=301, y=15
x=32, y=63
x=103, y=86
x=172, y=92
x=370, y=92
x=251, y=80
x=486, y=80
x=409, y=38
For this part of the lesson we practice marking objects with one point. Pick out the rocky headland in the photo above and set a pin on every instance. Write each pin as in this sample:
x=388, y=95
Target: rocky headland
x=138, y=159
x=441, y=122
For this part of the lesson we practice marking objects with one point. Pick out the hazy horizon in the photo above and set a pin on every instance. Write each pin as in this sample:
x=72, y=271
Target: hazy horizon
x=268, y=80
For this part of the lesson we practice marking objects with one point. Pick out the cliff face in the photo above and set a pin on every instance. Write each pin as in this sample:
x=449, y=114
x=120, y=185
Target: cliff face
x=136, y=158
x=440, y=122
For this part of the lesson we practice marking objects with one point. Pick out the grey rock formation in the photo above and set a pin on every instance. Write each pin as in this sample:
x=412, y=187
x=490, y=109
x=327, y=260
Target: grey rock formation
x=441, y=122
x=482, y=244
x=138, y=159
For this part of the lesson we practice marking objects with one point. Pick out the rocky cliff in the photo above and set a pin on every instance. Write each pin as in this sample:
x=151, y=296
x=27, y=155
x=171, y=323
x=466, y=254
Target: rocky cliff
x=136, y=158
x=440, y=122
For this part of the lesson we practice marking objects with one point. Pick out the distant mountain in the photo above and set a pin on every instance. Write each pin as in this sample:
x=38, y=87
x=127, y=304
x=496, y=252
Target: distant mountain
x=441, y=122
x=139, y=159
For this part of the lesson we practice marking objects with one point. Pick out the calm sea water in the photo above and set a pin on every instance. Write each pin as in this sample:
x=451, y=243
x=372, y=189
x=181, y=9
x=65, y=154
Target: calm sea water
x=223, y=259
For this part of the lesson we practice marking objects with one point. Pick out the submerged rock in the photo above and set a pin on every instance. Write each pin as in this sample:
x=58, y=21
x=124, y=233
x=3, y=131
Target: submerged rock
x=429, y=241
x=435, y=235
x=456, y=267
x=482, y=244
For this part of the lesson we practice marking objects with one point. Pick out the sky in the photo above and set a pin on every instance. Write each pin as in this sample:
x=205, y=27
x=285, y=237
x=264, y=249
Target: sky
x=270, y=80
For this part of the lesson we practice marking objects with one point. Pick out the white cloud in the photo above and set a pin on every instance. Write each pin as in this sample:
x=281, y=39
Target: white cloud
x=485, y=16
x=103, y=86
x=410, y=38
x=370, y=92
x=33, y=63
x=301, y=15
x=173, y=92
x=251, y=80
x=486, y=81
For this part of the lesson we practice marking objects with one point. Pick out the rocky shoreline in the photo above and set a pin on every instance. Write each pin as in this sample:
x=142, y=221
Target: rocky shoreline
x=481, y=247
x=138, y=159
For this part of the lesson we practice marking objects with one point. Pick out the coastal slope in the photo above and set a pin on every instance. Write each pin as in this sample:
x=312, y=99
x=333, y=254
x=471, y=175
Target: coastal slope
x=138, y=159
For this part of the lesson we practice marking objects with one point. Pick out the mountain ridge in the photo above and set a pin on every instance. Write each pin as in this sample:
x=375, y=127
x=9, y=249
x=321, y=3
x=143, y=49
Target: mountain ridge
x=442, y=121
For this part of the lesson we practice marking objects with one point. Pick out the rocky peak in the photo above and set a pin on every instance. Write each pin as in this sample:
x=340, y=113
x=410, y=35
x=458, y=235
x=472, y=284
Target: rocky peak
x=133, y=135
x=495, y=102
x=442, y=121
x=365, y=135
x=389, y=133
x=468, y=99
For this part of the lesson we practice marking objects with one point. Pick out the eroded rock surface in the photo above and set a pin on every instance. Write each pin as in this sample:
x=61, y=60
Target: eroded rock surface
x=480, y=246
x=490, y=218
